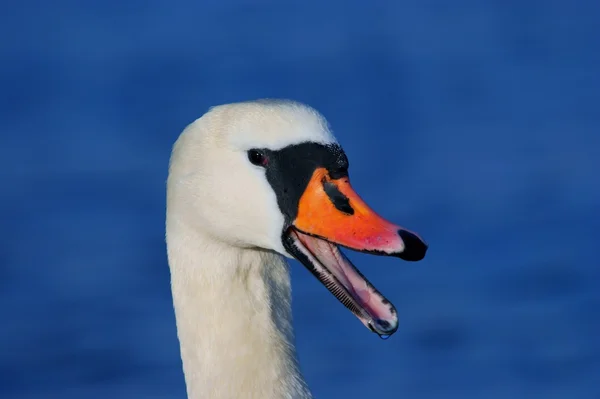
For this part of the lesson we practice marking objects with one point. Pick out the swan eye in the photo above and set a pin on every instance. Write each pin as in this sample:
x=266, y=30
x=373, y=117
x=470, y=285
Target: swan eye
x=257, y=157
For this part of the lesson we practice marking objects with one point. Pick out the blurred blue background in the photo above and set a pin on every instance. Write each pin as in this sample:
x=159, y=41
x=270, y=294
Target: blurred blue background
x=476, y=124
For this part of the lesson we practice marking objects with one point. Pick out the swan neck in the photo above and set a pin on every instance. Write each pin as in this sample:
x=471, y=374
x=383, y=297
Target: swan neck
x=234, y=322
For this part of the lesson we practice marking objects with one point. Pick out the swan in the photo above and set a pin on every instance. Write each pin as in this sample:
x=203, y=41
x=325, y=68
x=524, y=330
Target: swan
x=249, y=185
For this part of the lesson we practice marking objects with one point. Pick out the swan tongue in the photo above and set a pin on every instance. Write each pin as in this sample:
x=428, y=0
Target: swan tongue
x=344, y=281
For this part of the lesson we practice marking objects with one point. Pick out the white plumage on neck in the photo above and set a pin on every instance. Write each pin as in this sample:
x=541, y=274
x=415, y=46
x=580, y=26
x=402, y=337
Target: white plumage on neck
x=231, y=298
x=234, y=319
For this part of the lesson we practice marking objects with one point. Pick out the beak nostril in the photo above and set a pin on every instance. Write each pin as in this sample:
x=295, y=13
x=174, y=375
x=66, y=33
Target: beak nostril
x=414, y=247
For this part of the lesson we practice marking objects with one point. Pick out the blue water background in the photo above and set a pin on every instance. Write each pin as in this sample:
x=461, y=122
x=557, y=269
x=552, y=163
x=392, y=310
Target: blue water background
x=476, y=124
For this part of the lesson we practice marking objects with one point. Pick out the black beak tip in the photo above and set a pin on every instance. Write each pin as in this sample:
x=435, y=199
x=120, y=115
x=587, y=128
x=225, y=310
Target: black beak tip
x=414, y=247
x=383, y=328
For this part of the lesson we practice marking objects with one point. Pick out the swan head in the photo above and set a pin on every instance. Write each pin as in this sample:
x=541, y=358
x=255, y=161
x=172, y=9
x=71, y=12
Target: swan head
x=269, y=174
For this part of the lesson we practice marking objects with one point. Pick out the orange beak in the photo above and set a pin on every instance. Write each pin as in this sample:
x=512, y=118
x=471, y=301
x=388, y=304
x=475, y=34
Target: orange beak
x=331, y=210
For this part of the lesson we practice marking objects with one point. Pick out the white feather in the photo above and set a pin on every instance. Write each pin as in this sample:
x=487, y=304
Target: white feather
x=231, y=286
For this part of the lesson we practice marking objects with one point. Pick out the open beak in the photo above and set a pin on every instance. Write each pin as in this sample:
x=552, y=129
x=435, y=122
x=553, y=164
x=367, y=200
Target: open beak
x=330, y=213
